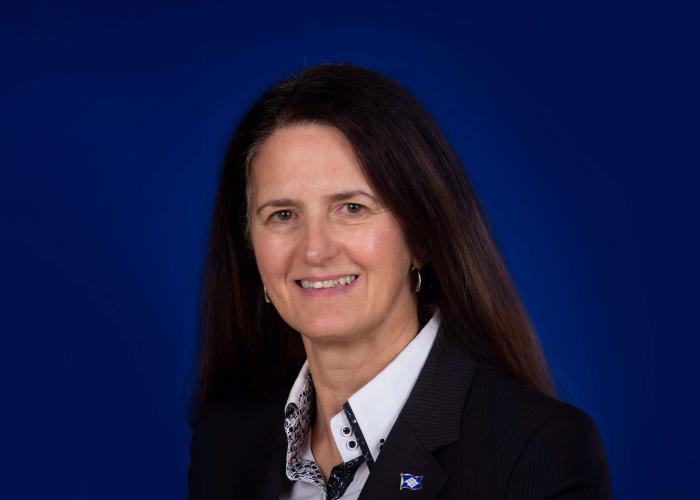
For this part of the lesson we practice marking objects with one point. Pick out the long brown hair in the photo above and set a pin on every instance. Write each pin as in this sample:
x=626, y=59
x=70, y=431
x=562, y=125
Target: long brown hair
x=246, y=346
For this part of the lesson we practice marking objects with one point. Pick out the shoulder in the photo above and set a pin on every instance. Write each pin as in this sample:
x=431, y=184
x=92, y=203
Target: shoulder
x=241, y=434
x=240, y=414
x=509, y=405
x=543, y=445
x=241, y=420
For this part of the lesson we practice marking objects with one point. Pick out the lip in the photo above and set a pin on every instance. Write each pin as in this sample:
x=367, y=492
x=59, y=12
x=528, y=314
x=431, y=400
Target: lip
x=327, y=277
x=326, y=292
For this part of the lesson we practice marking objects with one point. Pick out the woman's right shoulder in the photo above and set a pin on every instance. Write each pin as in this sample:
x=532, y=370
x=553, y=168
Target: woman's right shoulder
x=241, y=412
x=237, y=434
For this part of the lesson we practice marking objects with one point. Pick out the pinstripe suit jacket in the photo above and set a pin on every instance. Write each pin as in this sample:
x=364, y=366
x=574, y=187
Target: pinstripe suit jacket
x=470, y=431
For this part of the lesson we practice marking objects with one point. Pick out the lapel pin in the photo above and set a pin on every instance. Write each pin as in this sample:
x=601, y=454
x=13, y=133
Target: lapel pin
x=411, y=482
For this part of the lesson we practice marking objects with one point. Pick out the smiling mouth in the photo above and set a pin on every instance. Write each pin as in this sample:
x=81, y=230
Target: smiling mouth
x=317, y=285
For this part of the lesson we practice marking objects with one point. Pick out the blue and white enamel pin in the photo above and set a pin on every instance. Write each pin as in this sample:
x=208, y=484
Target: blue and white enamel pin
x=411, y=482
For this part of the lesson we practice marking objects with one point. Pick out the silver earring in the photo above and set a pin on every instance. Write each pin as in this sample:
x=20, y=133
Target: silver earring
x=417, y=269
x=267, y=297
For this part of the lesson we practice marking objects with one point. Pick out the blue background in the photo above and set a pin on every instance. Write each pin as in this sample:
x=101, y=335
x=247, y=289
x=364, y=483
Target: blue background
x=575, y=122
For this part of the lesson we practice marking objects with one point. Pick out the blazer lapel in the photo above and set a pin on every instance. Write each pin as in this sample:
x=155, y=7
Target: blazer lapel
x=276, y=479
x=405, y=455
x=429, y=420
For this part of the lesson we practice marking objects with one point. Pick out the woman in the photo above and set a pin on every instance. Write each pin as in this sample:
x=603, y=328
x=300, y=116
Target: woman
x=361, y=337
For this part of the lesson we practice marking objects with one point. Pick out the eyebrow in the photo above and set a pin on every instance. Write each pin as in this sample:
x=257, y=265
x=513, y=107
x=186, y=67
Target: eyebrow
x=343, y=195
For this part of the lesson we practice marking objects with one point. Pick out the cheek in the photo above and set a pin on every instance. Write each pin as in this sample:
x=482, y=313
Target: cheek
x=386, y=248
x=269, y=255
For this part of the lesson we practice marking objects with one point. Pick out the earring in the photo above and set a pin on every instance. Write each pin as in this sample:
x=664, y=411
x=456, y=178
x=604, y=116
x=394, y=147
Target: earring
x=417, y=269
x=267, y=297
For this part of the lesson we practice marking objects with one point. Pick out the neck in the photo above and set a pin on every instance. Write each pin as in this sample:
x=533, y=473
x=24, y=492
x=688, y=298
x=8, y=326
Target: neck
x=339, y=369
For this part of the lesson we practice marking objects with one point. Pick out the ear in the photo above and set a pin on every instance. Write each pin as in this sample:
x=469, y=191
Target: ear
x=419, y=257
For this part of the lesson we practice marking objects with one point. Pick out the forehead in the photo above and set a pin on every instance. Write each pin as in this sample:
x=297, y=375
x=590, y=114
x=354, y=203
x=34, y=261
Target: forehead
x=305, y=157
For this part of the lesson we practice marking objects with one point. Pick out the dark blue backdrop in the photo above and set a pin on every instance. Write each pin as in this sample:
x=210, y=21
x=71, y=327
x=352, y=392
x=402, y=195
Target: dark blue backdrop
x=574, y=122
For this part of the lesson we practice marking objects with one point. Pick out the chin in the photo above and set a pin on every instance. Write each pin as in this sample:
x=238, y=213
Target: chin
x=320, y=328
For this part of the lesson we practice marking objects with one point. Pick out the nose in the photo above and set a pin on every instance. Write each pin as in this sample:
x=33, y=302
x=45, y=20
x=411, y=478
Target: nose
x=319, y=243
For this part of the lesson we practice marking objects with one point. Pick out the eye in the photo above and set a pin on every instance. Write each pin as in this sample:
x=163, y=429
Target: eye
x=282, y=215
x=354, y=208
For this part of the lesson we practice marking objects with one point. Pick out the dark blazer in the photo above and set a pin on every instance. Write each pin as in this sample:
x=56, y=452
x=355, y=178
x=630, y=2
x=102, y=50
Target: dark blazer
x=469, y=430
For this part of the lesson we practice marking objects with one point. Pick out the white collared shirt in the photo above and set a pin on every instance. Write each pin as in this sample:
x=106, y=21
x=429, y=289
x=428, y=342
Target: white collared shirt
x=375, y=407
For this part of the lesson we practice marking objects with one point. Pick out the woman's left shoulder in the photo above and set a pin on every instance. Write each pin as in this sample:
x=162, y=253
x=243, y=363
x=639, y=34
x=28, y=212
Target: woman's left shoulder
x=554, y=446
x=518, y=402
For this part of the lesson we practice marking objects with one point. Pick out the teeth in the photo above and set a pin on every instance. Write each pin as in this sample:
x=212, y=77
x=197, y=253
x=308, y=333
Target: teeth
x=345, y=280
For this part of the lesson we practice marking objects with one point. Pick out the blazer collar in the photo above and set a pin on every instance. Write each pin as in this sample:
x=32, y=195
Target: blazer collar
x=440, y=393
x=430, y=419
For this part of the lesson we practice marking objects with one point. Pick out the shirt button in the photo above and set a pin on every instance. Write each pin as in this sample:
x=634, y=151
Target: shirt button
x=351, y=444
x=346, y=431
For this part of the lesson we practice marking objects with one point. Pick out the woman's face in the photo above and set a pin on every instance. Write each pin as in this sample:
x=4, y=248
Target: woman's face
x=315, y=226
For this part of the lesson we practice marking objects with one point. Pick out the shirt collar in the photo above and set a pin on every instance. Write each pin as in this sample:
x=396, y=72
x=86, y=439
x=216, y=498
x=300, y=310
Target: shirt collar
x=297, y=421
x=376, y=405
